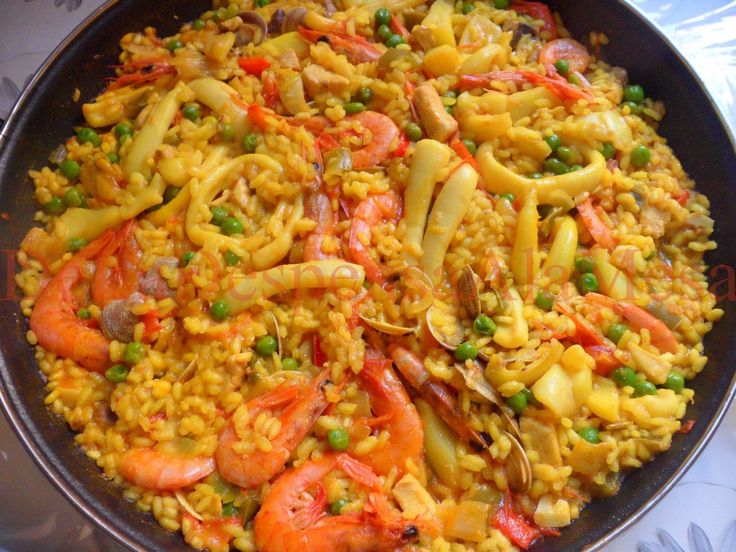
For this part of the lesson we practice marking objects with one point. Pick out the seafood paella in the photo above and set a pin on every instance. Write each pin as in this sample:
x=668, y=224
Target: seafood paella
x=353, y=275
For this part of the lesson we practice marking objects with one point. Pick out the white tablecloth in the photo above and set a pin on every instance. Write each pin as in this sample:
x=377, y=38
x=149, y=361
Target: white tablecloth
x=33, y=516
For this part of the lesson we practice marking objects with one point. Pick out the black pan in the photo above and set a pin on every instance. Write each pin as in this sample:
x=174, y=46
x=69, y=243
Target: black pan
x=46, y=113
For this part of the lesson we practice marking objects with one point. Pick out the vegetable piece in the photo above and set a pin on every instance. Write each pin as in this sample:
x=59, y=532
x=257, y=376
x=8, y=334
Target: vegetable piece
x=675, y=382
x=70, y=169
x=544, y=300
x=382, y=17
x=633, y=93
x=558, y=266
x=231, y=226
x=562, y=67
x=430, y=158
x=524, y=261
x=590, y=458
x=133, y=352
x=394, y=40
x=653, y=366
x=616, y=332
x=541, y=436
x=587, y=283
x=640, y=156
x=250, y=142
x=117, y=373
x=223, y=100
x=517, y=402
x=254, y=65
x=352, y=108
x=642, y=388
x=190, y=112
x=413, y=132
x=414, y=499
x=624, y=376
x=438, y=23
x=219, y=311
x=601, y=233
x=85, y=135
x=54, y=206
x=574, y=54
x=484, y=325
x=266, y=345
x=555, y=166
x=290, y=364
x=449, y=209
x=437, y=122
x=555, y=390
x=338, y=439
x=553, y=141
x=613, y=282
x=655, y=308
x=552, y=513
x=514, y=526
x=550, y=353
x=440, y=444
x=590, y=434
x=291, y=91
x=333, y=273
x=466, y=351
x=514, y=332
x=467, y=521
x=603, y=400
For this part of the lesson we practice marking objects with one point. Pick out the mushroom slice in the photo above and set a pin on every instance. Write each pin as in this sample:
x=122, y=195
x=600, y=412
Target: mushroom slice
x=467, y=288
x=519, y=470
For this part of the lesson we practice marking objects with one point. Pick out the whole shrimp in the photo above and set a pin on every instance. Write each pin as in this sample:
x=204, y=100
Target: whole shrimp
x=370, y=212
x=384, y=133
x=389, y=399
x=54, y=320
x=121, y=279
x=303, y=407
x=153, y=469
x=282, y=526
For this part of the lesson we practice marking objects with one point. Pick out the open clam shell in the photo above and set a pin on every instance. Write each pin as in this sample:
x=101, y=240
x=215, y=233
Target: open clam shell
x=388, y=329
x=449, y=342
x=518, y=468
x=467, y=289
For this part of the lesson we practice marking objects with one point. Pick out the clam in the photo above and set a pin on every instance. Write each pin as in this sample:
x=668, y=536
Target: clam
x=467, y=289
x=449, y=342
x=385, y=327
x=253, y=29
x=518, y=470
x=187, y=372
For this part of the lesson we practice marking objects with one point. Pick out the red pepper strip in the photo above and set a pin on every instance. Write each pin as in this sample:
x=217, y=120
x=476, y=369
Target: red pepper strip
x=537, y=10
x=355, y=47
x=254, y=65
x=270, y=91
x=683, y=197
x=459, y=147
x=601, y=233
x=398, y=28
x=151, y=325
x=318, y=357
x=605, y=362
x=687, y=427
x=515, y=527
x=400, y=150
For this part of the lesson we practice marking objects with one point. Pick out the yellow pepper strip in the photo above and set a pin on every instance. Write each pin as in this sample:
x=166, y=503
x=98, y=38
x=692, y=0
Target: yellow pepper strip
x=151, y=136
x=253, y=288
x=512, y=330
x=430, y=157
x=449, y=209
x=200, y=231
x=551, y=190
x=440, y=444
x=614, y=282
x=172, y=208
x=113, y=106
x=220, y=97
x=550, y=353
x=560, y=261
x=270, y=254
x=525, y=254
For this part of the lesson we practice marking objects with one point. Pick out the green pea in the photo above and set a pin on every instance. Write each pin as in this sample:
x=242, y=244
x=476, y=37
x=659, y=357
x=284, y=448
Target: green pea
x=170, y=193
x=642, y=388
x=517, y=402
x=501, y=4
x=70, y=169
x=624, y=375
x=634, y=93
x=394, y=40
x=187, y=257
x=640, y=156
x=466, y=351
x=587, y=283
x=117, y=373
x=84, y=313
x=555, y=166
x=88, y=135
x=364, y=95
x=608, y=151
x=675, y=382
x=262, y=3
x=544, y=300
x=353, y=107
x=573, y=79
x=536, y=176
x=553, y=141
x=198, y=24
x=227, y=132
x=289, y=364
x=617, y=331
x=584, y=264
x=231, y=226
x=467, y=7
x=219, y=311
x=508, y=196
x=55, y=206
x=591, y=435
x=191, y=112
x=75, y=244
x=382, y=16
x=484, y=325
x=562, y=67
x=449, y=109
x=337, y=506
x=413, y=132
x=531, y=400
x=650, y=256
x=564, y=154
x=250, y=141
x=634, y=108
x=470, y=145
x=173, y=45
x=229, y=510
x=231, y=259
x=266, y=345
x=384, y=32
x=134, y=352
x=218, y=215
x=123, y=129
x=338, y=439
x=113, y=157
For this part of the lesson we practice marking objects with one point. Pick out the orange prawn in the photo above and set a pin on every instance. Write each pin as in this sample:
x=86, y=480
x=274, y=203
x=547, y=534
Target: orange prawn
x=389, y=399
x=144, y=71
x=54, y=320
x=281, y=525
x=355, y=47
x=153, y=469
x=120, y=280
x=554, y=83
x=369, y=213
x=303, y=407
x=384, y=133
x=318, y=208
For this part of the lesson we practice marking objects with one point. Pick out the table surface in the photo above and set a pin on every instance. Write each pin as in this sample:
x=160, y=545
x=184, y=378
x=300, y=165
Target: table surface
x=34, y=516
